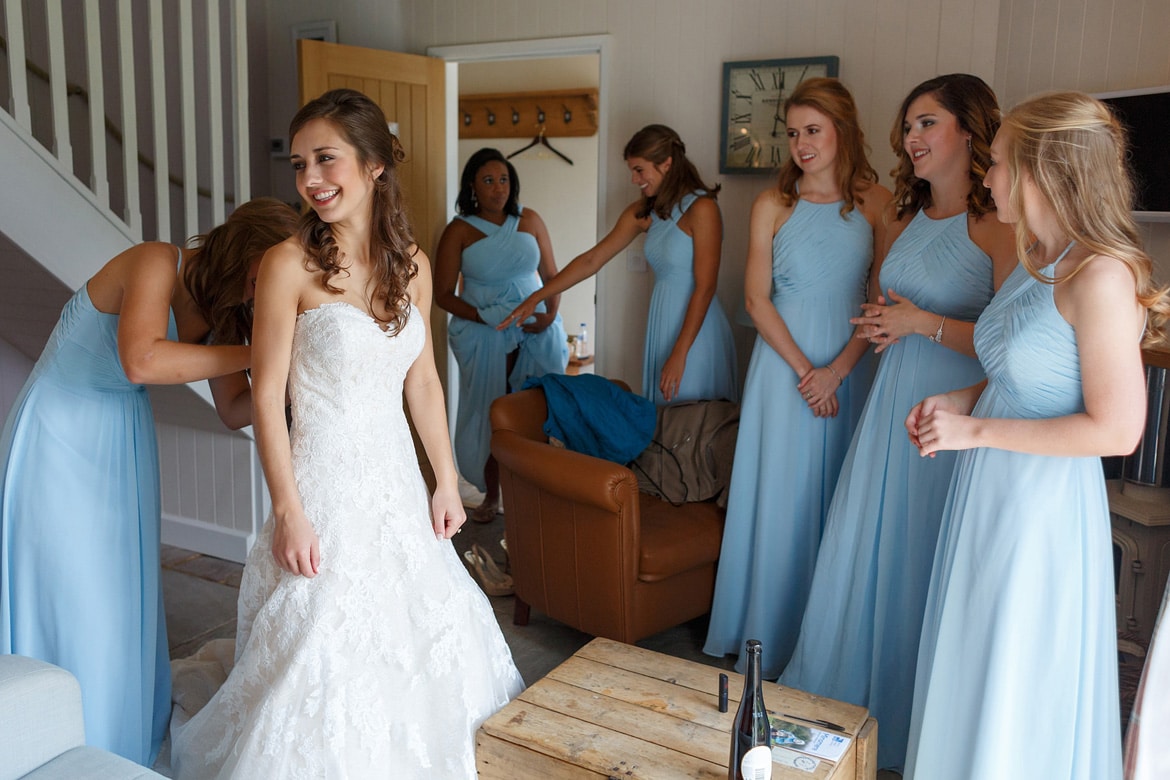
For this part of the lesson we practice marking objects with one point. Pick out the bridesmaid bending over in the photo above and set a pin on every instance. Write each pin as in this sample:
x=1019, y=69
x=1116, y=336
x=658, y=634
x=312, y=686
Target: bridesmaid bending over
x=1017, y=673
x=859, y=639
x=689, y=354
x=80, y=510
x=502, y=253
x=809, y=252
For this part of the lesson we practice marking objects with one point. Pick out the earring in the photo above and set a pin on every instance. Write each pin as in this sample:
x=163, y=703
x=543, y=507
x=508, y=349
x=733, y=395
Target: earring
x=474, y=200
x=969, y=143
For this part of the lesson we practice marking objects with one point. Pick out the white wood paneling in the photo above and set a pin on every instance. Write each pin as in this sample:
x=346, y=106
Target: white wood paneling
x=209, y=489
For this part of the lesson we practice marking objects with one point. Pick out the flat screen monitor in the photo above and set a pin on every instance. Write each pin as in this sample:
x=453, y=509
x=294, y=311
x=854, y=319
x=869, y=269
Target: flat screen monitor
x=1146, y=115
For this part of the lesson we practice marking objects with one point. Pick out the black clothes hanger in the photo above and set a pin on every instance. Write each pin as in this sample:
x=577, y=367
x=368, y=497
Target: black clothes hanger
x=541, y=140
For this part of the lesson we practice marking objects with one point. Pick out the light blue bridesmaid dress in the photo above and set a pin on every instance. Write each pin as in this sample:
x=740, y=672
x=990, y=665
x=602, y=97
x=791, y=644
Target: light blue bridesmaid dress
x=711, y=371
x=499, y=272
x=1017, y=672
x=786, y=459
x=80, y=517
x=859, y=638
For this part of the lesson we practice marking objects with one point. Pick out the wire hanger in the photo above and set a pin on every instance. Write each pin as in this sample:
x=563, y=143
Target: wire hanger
x=541, y=140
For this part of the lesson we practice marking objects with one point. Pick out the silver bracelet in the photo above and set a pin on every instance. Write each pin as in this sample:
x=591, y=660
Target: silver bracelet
x=840, y=381
x=937, y=337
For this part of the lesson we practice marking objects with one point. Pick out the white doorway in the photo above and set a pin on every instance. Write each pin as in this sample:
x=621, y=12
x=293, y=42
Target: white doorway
x=570, y=198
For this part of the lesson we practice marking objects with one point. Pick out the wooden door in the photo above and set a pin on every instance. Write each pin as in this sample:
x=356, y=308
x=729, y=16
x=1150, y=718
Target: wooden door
x=409, y=90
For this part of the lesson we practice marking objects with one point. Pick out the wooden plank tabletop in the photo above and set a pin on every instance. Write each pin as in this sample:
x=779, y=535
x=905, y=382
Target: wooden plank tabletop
x=619, y=711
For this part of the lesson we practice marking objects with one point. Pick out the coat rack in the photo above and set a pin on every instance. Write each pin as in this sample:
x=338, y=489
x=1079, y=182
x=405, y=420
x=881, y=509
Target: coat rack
x=558, y=113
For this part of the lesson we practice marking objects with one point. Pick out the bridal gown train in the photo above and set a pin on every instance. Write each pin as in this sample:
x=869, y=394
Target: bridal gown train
x=385, y=663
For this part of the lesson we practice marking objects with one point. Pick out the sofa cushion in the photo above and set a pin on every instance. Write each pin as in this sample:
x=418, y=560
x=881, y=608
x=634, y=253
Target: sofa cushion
x=677, y=538
x=90, y=763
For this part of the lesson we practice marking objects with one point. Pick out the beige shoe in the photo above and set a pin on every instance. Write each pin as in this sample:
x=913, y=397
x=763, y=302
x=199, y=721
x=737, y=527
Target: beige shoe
x=493, y=581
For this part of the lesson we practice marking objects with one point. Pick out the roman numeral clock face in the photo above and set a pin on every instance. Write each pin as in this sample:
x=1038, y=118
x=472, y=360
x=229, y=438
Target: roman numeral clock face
x=754, y=138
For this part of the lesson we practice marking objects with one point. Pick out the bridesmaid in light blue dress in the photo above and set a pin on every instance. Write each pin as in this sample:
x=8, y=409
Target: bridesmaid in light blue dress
x=1017, y=671
x=79, y=476
x=859, y=636
x=502, y=253
x=689, y=353
x=809, y=253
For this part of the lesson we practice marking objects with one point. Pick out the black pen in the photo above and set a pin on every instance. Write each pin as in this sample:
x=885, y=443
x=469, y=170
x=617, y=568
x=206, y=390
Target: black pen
x=722, y=692
x=826, y=723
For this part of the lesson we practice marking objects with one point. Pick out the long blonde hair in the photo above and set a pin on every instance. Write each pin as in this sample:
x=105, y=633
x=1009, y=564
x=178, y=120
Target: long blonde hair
x=853, y=174
x=1073, y=149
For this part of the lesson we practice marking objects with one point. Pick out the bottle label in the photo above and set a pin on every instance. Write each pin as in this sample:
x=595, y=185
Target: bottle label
x=757, y=763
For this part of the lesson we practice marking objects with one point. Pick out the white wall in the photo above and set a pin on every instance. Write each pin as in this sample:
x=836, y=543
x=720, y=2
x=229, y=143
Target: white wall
x=1090, y=45
x=666, y=67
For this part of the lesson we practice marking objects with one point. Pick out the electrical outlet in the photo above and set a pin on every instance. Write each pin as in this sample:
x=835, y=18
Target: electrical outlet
x=277, y=147
x=636, y=261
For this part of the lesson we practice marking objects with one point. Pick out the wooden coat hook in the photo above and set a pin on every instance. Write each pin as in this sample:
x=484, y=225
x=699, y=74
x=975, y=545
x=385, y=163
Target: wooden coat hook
x=560, y=113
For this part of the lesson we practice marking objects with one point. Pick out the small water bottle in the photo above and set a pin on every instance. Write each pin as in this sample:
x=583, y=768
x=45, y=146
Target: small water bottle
x=581, y=343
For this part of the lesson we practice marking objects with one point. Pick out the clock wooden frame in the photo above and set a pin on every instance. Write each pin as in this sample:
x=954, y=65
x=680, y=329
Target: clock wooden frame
x=746, y=129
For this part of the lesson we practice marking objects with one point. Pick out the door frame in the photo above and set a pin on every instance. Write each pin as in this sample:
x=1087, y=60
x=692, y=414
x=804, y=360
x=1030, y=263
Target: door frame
x=539, y=48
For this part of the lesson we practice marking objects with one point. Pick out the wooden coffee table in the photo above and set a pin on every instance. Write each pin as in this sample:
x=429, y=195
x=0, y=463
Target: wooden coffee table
x=618, y=711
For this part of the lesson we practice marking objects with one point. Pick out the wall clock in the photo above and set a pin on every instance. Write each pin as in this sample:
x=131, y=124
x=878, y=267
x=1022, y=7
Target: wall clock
x=752, y=137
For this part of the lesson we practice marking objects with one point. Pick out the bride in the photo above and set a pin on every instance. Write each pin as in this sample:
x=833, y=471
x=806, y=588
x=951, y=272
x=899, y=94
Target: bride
x=364, y=649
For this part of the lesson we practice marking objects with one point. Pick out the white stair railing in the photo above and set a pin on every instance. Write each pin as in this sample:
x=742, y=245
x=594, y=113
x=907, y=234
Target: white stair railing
x=146, y=82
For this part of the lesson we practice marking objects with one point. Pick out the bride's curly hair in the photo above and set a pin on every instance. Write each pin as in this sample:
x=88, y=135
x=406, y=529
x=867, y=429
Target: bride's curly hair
x=392, y=245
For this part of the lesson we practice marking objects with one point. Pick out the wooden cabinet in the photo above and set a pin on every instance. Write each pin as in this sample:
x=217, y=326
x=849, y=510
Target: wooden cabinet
x=1141, y=553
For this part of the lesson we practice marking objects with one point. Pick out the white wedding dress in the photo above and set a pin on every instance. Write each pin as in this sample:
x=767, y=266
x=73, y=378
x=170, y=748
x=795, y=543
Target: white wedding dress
x=385, y=663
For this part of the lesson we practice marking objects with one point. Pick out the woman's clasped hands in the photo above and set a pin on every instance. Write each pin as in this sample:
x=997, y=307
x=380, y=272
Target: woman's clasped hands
x=883, y=323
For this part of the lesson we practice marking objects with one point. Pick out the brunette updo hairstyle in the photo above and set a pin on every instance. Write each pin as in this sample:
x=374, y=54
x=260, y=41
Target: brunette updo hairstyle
x=466, y=204
x=973, y=103
x=854, y=174
x=392, y=247
x=657, y=143
x=218, y=271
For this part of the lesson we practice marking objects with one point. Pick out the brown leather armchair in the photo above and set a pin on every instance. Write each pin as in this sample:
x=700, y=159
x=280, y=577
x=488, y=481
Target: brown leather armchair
x=588, y=549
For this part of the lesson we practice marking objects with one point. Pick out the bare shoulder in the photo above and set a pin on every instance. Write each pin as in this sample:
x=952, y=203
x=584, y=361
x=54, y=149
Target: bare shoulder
x=895, y=225
x=1102, y=287
x=629, y=216
x=998, y=241
x=152, y=266
x=769, y=209
x=420, y=286
x=991, y=235
x=461, y=231
x=149, y=257
x=530, y=220
x=872, y=202
x=704, y=206
x=286, y=265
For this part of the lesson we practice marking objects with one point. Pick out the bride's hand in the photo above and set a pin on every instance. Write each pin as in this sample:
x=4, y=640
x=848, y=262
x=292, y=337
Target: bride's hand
x=295, y=545
x=447, y=513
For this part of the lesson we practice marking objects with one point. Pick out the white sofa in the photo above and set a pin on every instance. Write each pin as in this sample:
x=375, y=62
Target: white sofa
x=42, y=736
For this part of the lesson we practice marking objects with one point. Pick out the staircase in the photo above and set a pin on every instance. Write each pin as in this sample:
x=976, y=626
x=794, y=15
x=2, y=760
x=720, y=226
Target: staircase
x=123, y=121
